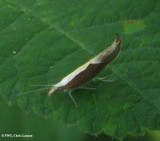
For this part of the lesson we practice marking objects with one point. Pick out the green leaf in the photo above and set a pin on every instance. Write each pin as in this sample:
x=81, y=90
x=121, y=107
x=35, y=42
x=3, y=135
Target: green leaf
x=42, y=41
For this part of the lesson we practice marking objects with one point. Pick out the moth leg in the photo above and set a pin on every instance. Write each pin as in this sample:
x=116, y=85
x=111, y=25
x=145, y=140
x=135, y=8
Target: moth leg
x=104, y=79
x=74, y=101
x=86, y=88
x=73, y=89
x=81, y=87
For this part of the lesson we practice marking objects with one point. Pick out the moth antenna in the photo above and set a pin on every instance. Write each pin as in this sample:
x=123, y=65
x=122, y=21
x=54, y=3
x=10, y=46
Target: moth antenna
x=42, y=85
x=32, y=91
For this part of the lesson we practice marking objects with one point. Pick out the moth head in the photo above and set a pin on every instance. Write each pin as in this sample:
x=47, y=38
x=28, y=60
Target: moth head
x=53, y=90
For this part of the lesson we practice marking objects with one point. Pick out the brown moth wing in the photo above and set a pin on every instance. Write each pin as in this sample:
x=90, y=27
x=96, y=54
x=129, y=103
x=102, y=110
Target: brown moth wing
x=93, y=69
x=90, y=72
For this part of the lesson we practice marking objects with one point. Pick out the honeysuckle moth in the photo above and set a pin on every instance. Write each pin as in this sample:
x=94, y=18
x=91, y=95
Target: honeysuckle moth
x=88, y=70
x=85, y=72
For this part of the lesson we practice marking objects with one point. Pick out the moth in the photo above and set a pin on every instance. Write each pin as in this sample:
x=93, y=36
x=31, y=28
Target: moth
x=88, y=70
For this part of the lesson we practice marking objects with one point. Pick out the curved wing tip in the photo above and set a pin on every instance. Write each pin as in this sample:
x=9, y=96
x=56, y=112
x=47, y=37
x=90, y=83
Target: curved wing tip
x=118, y=38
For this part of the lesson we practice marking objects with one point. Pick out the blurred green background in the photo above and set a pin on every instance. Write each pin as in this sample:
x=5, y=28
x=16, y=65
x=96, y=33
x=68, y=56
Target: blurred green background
x=14, y=120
